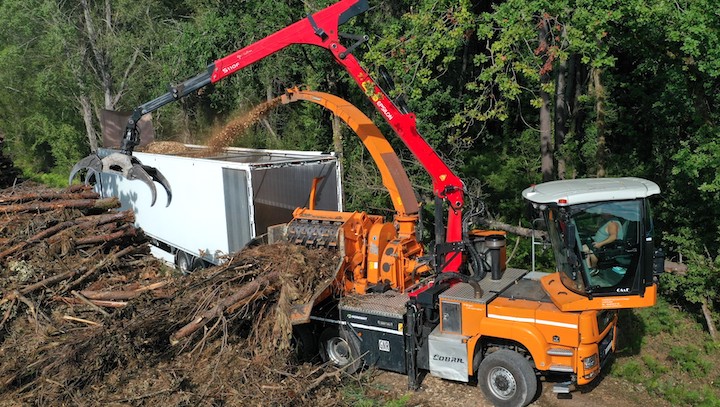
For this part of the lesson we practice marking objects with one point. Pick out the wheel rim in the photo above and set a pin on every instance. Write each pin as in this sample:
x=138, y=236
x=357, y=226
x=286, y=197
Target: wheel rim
x=502, y=383
x=338, y=351
x=183, y=265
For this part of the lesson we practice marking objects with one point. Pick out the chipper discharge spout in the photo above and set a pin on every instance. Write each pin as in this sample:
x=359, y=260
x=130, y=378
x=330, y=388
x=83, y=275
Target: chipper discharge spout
x=376, y=255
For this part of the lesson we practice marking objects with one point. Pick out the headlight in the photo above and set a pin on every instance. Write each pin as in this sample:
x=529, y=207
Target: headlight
x=590, y=362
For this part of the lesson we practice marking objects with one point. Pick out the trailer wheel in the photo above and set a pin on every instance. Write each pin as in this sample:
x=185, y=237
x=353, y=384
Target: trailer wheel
x=197, y=264
x=507, y=379
x=340, y=348
x=183, y=262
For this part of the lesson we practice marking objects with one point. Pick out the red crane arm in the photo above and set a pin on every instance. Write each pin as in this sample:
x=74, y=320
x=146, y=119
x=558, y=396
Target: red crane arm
x=321, y=29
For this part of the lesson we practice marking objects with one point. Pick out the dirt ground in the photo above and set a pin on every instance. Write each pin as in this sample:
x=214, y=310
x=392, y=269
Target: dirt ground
x=608, y=392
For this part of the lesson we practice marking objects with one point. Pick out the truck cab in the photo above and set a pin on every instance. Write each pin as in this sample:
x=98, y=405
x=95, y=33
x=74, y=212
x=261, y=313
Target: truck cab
x=602, y=236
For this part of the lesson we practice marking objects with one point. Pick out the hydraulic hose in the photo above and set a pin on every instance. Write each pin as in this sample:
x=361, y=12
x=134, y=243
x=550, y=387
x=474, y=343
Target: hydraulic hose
x=466, y=279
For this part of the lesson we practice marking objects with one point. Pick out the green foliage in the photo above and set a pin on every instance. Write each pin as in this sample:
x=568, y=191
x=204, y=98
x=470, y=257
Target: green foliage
x=691, y=359
x=674, y=360
x=423, y=49
x=662, y=318
x=654, y=366
x=50, y=179
x=631, y=371
x=367, y=396
x=700, y=283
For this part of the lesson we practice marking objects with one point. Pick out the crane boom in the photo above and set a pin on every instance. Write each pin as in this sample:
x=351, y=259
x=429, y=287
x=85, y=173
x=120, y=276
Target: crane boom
x=321, y=30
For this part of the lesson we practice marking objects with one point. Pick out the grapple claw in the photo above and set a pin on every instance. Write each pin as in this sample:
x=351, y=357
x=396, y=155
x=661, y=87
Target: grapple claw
x=126, y=166
x=92, y=163
x=158, y=177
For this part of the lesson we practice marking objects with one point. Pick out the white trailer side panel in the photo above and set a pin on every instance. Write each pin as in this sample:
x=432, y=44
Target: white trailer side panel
x=194, y=222
x=219, y=204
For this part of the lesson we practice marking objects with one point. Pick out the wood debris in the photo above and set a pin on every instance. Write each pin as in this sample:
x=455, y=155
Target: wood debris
x=88, y=317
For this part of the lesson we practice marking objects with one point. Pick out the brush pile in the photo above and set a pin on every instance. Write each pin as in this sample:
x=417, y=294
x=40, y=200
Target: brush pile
x=87, y=317
x=8, y=172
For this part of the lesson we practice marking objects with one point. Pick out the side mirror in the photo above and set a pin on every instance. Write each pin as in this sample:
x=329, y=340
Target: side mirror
x=569, y=236
x=658, y=261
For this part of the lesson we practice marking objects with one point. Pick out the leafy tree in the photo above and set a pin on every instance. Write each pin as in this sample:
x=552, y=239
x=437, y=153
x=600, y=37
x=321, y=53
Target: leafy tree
x=38, y=124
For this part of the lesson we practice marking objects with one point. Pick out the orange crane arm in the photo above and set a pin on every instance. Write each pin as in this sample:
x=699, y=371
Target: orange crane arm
x=393, y=174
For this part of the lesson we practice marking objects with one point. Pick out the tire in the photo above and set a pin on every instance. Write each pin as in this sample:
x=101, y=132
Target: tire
x=183, y=262
x=340, y=348
x=507, y=379
x=197, y=264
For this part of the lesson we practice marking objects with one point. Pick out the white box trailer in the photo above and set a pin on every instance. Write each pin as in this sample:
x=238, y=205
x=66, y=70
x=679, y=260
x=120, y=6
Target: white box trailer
x=221, y=203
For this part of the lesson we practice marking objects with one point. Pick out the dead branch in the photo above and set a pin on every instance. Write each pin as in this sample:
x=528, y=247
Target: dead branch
x=84, y=321
x=122, y=294
x=244, y=291
x=39, y=236
x=111, y=258
x=89, y=303
x=99, y=303
x=52, y=280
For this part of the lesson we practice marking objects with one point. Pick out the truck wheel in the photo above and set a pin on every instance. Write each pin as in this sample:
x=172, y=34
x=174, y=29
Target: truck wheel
x=340, y=348
x=507, y=379
x=183, y=262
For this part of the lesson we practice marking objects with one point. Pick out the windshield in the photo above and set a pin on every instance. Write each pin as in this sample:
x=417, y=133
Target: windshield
x=596, y=245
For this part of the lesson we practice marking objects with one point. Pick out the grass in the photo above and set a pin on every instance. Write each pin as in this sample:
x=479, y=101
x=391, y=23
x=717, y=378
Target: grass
x=371, y=396
x=670, y=354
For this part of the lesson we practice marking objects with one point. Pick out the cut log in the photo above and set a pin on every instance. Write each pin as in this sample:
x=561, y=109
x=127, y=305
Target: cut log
x=91, y=240
x=48, y=196
x=104, y=203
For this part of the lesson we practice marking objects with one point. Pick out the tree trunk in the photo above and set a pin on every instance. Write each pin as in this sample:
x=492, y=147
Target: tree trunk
x=337, y=136
x=574, y=114
x=337, y=143
x=546, y=141
x=599, y=91
x=709, y=320
x=87, y=115
x=561, y=114
x=275, y=140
